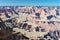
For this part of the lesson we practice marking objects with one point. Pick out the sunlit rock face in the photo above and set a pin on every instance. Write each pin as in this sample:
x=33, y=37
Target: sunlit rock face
x=45, y=17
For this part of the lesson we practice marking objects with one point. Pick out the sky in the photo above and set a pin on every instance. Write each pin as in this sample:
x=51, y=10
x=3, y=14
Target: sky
x=29, y=3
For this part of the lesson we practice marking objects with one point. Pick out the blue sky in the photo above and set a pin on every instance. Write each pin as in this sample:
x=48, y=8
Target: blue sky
x=29, y=3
